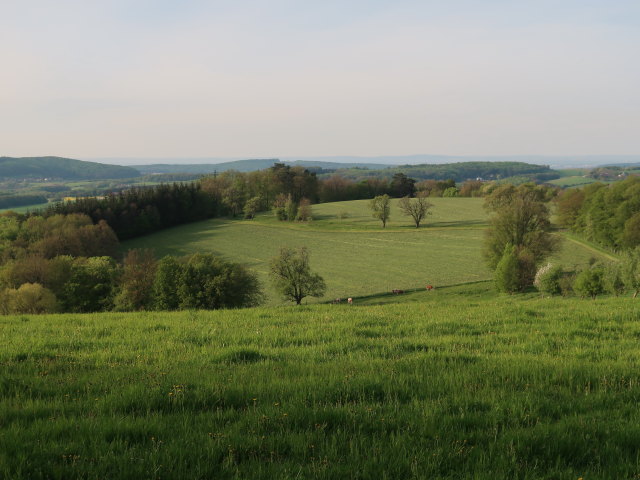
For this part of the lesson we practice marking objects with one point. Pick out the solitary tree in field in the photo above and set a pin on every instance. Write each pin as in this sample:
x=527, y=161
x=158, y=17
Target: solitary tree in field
x=417, y=208
x=381, y=208
x=293, y=277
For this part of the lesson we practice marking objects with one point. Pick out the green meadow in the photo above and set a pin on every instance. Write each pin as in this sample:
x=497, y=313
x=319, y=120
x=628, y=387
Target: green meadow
x=351, y=250
x=25, y=208
x=456, y=383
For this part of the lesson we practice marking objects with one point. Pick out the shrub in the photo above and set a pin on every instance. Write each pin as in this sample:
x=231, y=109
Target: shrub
x=590, y=282
x=251, y=207
x=506, y=274
x=548, y=279
x=291, y=209
x=450, y=192
x=29, y=298
x=203, y=281
x=566, y=284
x=304, y=210
x=613, y=278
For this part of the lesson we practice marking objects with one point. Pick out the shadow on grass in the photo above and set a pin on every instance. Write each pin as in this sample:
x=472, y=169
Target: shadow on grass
x=481, y=288
x=460, y=223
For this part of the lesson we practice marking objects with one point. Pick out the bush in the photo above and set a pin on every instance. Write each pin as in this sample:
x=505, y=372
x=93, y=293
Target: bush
x=613, y=278
x=252, y=207
x=450, y=192
x=29, y=298
x=203, y=281
x=506, y=274
x=548, y=279
x=590, y=282
x=304, y=210
x=566, y=284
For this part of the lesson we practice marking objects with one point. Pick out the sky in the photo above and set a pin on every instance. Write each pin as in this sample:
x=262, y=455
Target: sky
x=281, y=78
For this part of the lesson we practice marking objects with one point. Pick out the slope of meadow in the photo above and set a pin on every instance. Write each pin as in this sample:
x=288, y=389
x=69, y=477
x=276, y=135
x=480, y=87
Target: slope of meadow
x=462, y=384
x=354, y=254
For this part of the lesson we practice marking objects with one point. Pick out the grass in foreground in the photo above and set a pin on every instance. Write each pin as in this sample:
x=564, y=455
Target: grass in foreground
x=455, y=386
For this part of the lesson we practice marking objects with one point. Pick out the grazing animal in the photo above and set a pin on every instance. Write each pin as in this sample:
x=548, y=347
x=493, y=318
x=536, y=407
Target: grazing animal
x=397, y=292
x=429, y=287
x=337, y=300
x=350, y=301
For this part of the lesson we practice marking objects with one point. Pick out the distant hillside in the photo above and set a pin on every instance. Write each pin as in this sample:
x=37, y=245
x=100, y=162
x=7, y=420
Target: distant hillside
x=460, y=171
x=246, y=166
x=61, y=168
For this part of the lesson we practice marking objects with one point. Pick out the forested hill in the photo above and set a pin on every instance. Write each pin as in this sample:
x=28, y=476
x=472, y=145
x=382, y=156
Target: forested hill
x=459, y=171
x=246, y=166
x=61, y=168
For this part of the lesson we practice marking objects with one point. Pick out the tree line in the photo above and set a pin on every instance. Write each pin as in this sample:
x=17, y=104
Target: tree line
x=288, y=190
x=140, y=211
x=65, y=263
x=519, y=239
x=608, y=214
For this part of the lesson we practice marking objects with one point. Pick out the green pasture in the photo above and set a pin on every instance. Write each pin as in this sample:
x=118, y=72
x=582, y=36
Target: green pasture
x=355, y=255
x=457, y=385
x=572, y=181
x=25, y=208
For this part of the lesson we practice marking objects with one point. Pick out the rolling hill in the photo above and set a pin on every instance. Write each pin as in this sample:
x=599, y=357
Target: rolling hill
x=247, y=166
x=61, y=168
x=351, y=250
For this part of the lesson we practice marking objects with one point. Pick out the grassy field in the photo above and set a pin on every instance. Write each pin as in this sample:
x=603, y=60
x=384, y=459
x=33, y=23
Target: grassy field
x=25, y=208
x=458, y=384
x=573, y=181
x=354, y=254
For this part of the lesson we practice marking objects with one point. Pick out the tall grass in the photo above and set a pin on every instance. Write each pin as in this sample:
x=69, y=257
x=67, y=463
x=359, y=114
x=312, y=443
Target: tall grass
x=453, y=386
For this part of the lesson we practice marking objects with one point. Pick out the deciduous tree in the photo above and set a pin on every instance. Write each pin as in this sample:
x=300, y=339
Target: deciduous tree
x=381, y=208
x=520, y=219
x=293, y=277
x=135, y=290
x=417, y=208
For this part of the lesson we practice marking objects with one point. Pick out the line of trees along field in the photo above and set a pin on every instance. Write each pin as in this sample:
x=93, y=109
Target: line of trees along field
x=519, y=239
x=608, y=214
x=65, y=263
x=140, y=211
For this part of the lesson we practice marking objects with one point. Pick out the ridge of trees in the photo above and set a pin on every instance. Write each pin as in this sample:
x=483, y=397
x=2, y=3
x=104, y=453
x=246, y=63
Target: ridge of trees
x=459, y=172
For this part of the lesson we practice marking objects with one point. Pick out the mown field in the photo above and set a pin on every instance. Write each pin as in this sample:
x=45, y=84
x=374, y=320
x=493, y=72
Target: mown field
x=460, y=384
x=354, y=254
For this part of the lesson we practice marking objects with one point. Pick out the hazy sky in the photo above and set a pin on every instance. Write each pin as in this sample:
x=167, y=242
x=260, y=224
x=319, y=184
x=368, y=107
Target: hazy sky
x=243, y=78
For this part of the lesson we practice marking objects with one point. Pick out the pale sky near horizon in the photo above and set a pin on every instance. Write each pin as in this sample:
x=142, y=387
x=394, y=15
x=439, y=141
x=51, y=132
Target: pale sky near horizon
x=269, y=78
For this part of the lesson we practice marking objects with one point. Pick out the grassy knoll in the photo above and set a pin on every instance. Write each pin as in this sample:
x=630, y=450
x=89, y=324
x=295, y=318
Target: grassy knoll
x=454, y=386
x=354, y=254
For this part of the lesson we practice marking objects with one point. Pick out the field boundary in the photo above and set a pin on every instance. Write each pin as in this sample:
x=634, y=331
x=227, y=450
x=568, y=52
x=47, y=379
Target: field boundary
x=588, y=245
